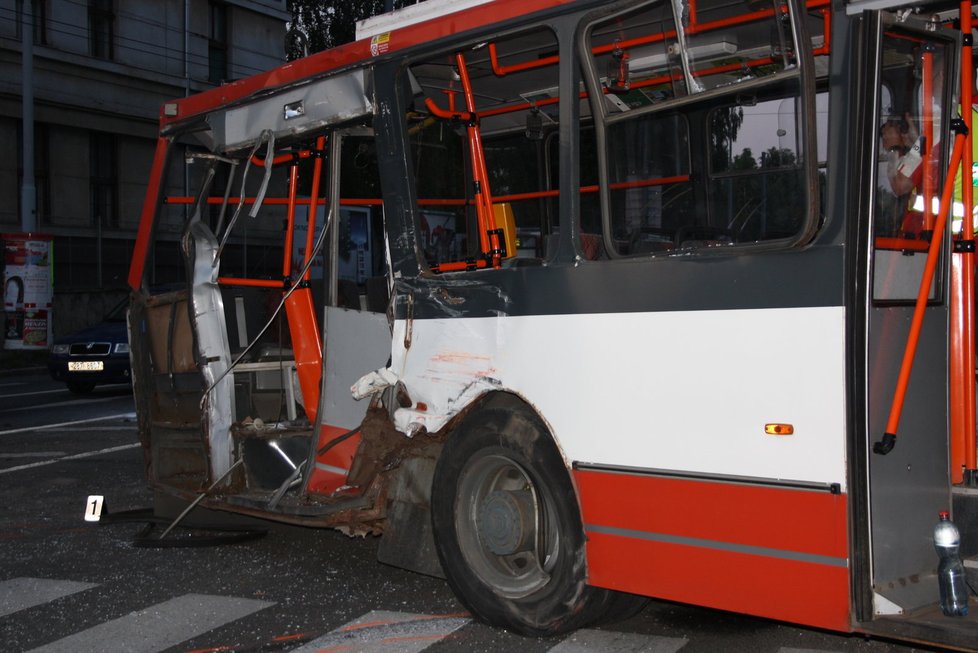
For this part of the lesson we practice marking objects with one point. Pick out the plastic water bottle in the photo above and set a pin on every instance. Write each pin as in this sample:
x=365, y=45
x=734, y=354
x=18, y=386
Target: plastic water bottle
x=950, y=572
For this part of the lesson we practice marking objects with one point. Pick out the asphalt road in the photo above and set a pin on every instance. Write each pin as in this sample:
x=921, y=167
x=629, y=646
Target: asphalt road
x=70, y=586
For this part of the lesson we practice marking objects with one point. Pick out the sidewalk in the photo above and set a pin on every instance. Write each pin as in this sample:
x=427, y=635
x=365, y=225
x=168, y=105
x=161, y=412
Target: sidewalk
x=22, y=361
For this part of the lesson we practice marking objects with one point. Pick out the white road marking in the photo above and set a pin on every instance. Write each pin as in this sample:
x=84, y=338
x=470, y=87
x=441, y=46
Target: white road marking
x=61, y=404
x=158, y=627
x=42, y=427
x=19, y=594
x=609, y=641
x=380, y=631
x=36, y=392
x=32, y=454
x=86, y=454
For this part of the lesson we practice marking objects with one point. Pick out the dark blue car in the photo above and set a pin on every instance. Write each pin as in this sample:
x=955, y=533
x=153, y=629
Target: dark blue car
x=95, y=355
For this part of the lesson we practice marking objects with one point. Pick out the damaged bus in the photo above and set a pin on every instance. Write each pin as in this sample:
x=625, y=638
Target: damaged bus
x=577, y=302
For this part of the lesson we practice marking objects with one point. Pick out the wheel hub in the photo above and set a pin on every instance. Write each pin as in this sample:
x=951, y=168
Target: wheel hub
x=506, y=522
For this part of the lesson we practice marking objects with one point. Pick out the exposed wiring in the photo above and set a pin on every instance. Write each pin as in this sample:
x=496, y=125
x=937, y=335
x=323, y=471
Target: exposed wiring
x=298, y=282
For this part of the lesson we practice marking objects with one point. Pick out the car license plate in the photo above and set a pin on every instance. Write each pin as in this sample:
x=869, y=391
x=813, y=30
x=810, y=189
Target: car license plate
x=85, y=366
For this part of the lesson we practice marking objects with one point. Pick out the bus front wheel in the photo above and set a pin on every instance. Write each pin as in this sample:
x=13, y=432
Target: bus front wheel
x=507, y=526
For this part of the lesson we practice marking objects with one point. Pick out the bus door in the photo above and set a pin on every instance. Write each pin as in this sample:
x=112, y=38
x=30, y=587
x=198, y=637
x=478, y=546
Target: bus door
x=908, y=478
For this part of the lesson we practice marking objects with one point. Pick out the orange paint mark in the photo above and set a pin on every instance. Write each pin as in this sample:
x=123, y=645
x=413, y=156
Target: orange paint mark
x=288, y=638
x=459, y=357
x=416, y=638
x=367, y=624
x=420, y=617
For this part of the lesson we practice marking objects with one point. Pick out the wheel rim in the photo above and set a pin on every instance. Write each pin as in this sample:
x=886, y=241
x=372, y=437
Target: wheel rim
x=505, y=526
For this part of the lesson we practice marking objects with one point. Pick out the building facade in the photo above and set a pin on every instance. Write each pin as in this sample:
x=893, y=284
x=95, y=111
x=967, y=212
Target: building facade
x=101, y=71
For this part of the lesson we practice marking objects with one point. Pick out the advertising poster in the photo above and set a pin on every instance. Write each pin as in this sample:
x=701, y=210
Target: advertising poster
x=28, y=292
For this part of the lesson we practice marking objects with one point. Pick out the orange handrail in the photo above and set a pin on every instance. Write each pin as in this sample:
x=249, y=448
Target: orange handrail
x=251, y=283
x=964, y=450
x=290, y=221
x=888, y=441
x=300, y=312
x=927, y=137
x=484, y=213
x=694, y=27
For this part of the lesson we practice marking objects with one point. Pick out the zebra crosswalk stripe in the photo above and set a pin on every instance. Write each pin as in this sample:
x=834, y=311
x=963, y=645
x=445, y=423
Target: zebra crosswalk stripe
x=158, y=627
x=180, y=619
x=19, y=594
x=608, y=641
x=380, y=631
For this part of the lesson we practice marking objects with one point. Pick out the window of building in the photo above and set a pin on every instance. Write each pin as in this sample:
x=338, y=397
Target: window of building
x=39, y=14
x=217, y=43
x=104, y=166
x=101, y=28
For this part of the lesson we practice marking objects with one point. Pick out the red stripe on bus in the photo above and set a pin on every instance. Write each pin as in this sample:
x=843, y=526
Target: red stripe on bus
x=768, y=551
x=808, y=522
x=788, y=590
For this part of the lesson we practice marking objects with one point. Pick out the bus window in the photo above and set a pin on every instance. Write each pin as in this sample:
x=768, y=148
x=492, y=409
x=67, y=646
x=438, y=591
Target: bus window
x=757, y=181
x=642, y=57
x=910, y=169
x=651, y=194
x=478, y=140
x=702, y=141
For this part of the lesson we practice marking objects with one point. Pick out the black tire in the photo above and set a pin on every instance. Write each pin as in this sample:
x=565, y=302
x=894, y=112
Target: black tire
x=623, y=606
x=81, y=387
x=507, y=525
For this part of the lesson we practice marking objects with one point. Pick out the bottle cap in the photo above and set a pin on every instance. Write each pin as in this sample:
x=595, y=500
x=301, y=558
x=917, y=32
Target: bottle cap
x=944, y=515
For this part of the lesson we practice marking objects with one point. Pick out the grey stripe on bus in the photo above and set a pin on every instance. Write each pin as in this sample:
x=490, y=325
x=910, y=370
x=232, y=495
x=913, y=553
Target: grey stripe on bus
x=732, y=547
x=790, y=279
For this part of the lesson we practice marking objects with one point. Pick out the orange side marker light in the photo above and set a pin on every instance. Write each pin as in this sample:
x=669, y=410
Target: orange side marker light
x=779, y=429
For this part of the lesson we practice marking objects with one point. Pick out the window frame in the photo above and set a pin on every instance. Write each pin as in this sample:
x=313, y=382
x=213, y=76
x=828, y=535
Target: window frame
x=218, y=41
x=103, y=179
x=803, y=71
x=405, y=67
x=39, y=16
x=101, y=29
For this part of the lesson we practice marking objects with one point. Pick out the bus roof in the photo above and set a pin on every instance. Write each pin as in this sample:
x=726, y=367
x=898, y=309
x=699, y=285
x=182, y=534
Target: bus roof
x=418, y=30
x=412, y=14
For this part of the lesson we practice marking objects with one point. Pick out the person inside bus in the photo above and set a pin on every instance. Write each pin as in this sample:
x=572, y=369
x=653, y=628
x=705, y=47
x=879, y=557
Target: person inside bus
x=898, y=175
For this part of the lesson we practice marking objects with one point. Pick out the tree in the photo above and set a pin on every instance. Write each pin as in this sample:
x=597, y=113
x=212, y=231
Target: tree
x=329, y=24
x=723, y=133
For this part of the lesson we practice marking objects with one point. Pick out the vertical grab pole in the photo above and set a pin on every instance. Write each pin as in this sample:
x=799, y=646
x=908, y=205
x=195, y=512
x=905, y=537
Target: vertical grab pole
x=964, y=450
x=888, y=441
x=483, y=206
x=290, y=221
x=317, y=171
x=927, y=132
x=301, y=313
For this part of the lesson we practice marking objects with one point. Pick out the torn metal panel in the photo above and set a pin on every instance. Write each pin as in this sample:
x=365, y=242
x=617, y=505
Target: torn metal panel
x=356, y=340
x=294, y=111
x=213, y=349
